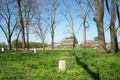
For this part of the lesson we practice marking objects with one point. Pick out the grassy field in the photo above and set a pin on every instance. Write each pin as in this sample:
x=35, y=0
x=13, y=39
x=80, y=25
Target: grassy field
x=81, y=65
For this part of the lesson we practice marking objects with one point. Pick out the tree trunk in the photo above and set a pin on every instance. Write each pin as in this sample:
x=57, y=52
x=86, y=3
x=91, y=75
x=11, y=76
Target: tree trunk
x=84, y=38
x=99, y=20
x=17, y=38
x=16, y=43
x=9, y=35
x=27, y=27
x=27, y=40
x=43, y=45
x=52, y=36
x=102, y=45
x=9, y=42
x=116, y=41
x=114, y=44
x=73, y=40
x=22, y=27
x=118, y=15
x=52, y=43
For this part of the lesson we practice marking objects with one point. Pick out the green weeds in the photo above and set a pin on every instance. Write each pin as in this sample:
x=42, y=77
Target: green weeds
x=43, y=65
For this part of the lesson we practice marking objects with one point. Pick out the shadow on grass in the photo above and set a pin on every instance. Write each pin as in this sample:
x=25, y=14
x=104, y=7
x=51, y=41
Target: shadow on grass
x=94, y=75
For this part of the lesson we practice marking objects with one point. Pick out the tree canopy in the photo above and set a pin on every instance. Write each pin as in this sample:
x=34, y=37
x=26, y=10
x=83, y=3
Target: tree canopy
x=71, y=37
x=96, y=39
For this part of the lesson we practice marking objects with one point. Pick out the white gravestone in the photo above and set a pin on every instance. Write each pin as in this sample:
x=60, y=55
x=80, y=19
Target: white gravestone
x=34, y=50
x=26, y=50
x=2, y=49
x=62, y=65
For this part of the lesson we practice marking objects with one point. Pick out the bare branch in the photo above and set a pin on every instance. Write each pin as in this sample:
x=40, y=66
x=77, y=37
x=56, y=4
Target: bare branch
x=4, y=32
x=14, y=27
x=4, y=18
x=3, y=10
x=90, y=5
x=107, y=7
x=79, y=28
x=67, y=19
x=118, y=14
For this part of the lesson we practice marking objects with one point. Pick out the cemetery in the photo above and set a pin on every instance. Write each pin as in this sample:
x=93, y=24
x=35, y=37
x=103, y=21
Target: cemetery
x=77, y=64
x=59, y=40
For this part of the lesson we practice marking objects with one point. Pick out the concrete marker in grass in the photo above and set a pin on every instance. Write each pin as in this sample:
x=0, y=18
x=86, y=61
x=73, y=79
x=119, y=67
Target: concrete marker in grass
x=62, y=65
x=34, y=50
x=26, y=50
x=2, y=49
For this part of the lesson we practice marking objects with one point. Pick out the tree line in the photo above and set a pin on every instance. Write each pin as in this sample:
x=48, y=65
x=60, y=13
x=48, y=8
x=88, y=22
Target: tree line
x=19, y=15
x=19, y=45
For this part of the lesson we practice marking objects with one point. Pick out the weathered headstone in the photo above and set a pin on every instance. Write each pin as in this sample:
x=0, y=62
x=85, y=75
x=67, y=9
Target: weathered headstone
x=95, y=48
x=34, y=50
x=62, y=65
x=2, y=49
x=26, y=50
x=45, y=48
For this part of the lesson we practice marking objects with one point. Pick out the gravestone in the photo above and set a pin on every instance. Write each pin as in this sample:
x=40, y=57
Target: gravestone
x=26, y=50
x=62, y=65
x=34, y=50
x=95, y=48
x=2, y=49
x=45, y=48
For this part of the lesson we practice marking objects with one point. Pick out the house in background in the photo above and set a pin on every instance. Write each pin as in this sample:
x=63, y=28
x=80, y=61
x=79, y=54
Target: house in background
x=56, y=45
x=66, y=43
x=90, y=42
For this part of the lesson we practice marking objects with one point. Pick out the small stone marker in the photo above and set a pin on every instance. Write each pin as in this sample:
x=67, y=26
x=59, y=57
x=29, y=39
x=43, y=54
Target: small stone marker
x=26, y=50
x=95, y=48
x=2, y=49
x=62, y=65
x=45, y=48
x=34, y=50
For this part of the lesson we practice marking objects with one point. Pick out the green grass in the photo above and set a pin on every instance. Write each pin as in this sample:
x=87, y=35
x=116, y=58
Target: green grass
x=81, y=65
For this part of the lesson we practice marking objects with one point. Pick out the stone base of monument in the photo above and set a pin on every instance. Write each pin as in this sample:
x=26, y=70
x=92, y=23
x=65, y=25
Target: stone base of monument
x=62, y=65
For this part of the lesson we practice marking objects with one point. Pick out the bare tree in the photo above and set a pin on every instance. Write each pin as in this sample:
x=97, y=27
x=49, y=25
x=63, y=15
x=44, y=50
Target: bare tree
x=22, y=26
x=51, y=21
x=39, y=28
x=99, y=8
x=29, y=11
x=113, y=30
x=118, y=16
x=114, y=43
x=69, y=19
x=16, y=43
x=6, y=13
x=83, y=14
x=118, y=11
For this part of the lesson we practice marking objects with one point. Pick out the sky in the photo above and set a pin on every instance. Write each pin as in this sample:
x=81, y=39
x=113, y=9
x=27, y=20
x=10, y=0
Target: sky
x=61, y=29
